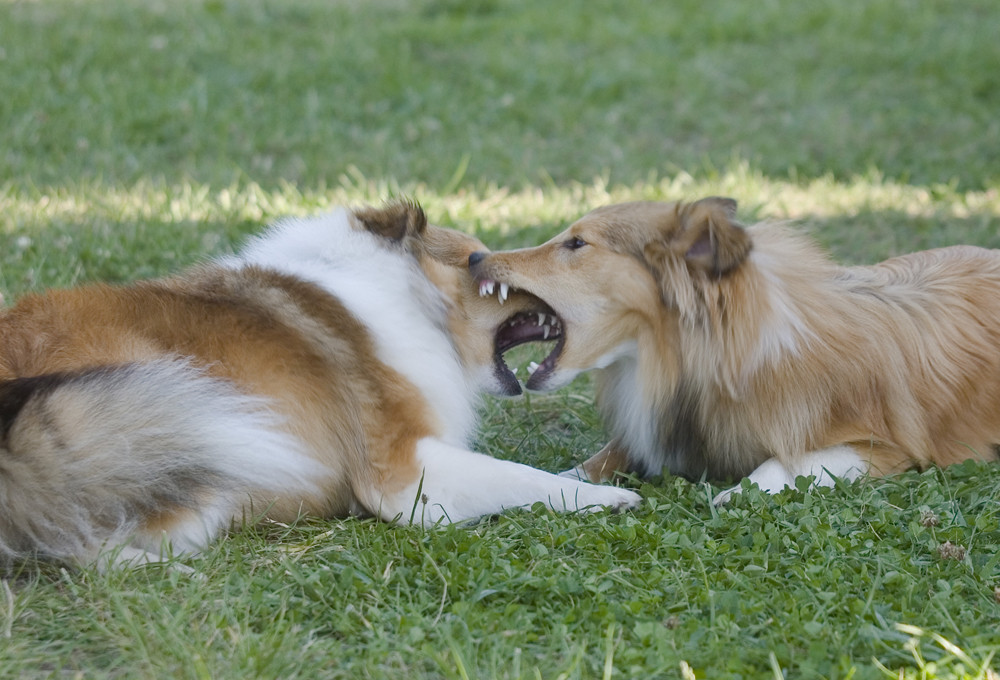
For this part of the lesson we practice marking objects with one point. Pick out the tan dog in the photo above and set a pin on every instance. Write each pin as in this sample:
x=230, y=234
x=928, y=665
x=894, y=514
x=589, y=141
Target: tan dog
x=739, y=351
x=329, y=368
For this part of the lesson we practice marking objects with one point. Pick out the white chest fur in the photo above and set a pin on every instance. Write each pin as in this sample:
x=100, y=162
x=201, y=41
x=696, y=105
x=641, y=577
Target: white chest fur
x=385, y=289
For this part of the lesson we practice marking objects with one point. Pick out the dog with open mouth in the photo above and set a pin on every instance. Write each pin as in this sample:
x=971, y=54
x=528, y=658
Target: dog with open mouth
x=732, y=351
x=331, y=367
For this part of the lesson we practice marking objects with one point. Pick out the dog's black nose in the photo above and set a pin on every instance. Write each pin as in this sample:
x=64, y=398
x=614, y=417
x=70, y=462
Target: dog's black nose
x=476, y=258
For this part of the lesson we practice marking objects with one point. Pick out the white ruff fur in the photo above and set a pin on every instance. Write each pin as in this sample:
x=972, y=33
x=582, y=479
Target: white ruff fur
x=636, y=420
x=380, y=287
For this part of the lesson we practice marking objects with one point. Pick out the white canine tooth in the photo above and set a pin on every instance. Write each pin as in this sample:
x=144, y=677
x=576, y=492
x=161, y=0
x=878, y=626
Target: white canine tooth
x=554, y=321
x=532, y=367
x=545, y=332
x=514, y=370
x=541, y=319
x=504, y=288
x=489, y=287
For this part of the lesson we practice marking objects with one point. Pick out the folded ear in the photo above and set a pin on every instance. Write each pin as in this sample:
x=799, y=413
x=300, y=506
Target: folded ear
x=396, y=220
x=709, y=238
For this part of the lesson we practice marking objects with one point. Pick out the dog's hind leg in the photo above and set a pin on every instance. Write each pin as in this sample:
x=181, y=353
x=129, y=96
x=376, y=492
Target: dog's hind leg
x=826, y=465
x=602, y=466
x=455, y=484
x=130, y=454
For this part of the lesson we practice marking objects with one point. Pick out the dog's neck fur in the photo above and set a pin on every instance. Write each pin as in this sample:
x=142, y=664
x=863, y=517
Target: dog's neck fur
x=380, y=286
x=728, y=332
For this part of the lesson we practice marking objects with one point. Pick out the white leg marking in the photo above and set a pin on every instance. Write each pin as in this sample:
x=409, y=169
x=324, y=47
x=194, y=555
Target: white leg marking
x=458, y=484
x=577, y=473
x=836, y=462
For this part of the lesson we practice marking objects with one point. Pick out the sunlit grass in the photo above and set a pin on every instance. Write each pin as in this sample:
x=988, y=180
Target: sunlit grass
x=158, y=227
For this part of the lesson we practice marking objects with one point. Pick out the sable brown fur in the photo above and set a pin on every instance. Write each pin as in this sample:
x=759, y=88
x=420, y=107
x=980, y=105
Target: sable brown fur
x=233, y=323
x=718, y=347
x=329, y=368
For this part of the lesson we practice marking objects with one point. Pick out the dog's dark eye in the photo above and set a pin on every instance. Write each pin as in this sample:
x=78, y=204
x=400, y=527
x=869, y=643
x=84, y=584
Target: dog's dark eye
x=575, y=243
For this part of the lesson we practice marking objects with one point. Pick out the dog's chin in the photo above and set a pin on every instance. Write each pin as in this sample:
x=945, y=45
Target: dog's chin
x=547, y=376
x=550, y=380
x=504, y=383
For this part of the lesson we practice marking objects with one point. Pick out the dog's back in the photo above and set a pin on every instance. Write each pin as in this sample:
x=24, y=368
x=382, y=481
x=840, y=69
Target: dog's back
x=930, y=326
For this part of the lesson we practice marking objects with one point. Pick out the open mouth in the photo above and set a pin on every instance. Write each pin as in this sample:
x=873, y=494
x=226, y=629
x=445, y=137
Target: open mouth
x=538, y=325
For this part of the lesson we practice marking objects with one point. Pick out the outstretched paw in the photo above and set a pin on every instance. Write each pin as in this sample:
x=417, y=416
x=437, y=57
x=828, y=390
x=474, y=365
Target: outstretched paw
x=595, y=497
x=723, y=497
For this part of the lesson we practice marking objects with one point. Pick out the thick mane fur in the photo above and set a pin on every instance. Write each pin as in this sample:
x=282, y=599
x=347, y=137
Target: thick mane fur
x=789, y=353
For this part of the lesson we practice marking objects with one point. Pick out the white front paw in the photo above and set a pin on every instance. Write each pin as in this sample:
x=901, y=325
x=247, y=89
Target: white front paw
x=600, y=496
x=625, y=499
x=723, y=497
x=771, y=476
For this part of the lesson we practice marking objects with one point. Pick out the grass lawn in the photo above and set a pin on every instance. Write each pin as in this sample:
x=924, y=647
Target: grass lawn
x=139, y=137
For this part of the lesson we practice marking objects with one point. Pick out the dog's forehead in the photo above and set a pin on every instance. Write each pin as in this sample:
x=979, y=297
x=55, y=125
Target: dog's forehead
x=633, y=212
x=451, y=240
x=625, y=226
x=450, y=247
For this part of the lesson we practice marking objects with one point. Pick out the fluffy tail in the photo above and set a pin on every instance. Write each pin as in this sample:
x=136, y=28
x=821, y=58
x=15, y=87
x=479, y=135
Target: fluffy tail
x=129, y=453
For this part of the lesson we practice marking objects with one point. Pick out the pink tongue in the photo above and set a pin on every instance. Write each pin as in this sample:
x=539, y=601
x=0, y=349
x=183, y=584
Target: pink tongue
x=519, y=330
x=523, y=331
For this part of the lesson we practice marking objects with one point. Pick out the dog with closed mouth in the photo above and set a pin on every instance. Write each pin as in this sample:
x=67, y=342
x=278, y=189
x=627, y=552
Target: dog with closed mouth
x=330, y=368
x=733, y=351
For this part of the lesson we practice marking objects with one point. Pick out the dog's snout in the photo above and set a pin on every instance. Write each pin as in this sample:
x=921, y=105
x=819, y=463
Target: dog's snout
x=476, y=257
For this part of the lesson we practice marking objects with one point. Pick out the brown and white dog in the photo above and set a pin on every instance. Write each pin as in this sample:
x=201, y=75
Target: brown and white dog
x=733, y=351
x=329, y=368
